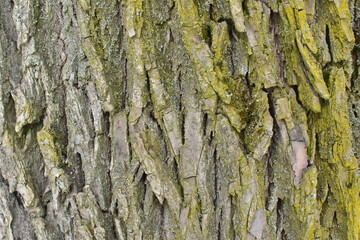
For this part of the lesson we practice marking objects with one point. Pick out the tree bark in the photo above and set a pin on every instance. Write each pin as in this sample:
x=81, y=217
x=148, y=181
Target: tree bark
x=179, y=119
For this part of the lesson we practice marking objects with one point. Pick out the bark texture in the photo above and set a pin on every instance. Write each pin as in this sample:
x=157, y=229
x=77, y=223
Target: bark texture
x=179, y=119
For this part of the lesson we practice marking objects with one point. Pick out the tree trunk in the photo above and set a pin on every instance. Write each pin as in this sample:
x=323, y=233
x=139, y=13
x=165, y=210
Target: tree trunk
x=179, y=119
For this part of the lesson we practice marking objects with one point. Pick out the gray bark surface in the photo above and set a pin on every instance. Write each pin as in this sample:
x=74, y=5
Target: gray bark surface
x=179, y=119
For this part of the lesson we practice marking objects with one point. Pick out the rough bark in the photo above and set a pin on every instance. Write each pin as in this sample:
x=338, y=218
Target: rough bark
x=179, y=119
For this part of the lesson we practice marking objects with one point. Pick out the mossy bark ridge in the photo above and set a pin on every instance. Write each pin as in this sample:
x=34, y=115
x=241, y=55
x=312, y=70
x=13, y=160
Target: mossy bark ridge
x=179, y=119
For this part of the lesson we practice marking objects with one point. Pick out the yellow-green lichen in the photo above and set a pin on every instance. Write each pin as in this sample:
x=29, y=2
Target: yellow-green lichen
x=200, y=53
x=48, y=147
x=315, y=73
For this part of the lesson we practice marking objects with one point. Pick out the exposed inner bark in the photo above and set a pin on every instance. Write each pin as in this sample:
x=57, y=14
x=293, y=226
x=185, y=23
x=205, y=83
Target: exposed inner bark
x=179, y=119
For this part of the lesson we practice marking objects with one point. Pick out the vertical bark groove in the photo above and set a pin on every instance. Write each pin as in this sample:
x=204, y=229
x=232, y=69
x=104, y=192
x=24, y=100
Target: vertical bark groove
x=179, y=119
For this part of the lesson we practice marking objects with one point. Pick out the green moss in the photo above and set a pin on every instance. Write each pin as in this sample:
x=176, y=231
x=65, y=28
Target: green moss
x=337, y=158
x=306, y=31
x=306, y=204
x=238, y=15
x=96, y=22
